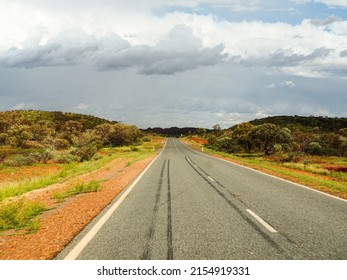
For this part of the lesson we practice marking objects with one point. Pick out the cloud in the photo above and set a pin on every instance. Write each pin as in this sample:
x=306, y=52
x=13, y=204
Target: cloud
x=82, y=107
x=343, y=53
x=180, y=52
x=280, y=58
x=285, y=84
x=323, y=22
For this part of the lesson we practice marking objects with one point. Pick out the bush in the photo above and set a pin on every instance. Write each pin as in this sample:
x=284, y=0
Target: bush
x=61, y=144
x=146, y=139
x=314, y=148
x=19, y=214
x=66, y=158
x=92, y=186
x=20, y=160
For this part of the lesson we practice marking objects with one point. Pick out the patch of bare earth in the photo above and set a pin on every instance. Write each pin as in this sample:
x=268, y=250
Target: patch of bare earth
x=65, y=220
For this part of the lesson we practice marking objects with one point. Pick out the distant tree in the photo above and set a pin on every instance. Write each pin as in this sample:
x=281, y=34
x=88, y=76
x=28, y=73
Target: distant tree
x=270, y=134
x=242, y=134
x=302, y=139
x=343, y=132
x=104, y=132
x=85, y=145
x=314, y=148
x=225, y=143
x=216, y=127
x=61, y=144
x=3, y=137
x=18, y=134
x=124, y=135
x=201, y=132
x=71, y=130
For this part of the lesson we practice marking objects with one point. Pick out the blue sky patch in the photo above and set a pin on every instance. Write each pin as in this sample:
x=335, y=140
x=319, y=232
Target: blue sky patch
x=282, y=11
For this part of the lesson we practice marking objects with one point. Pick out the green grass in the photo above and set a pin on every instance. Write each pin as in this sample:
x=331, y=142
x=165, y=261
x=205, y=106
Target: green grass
x=20, y=214
x=92, y=186
x=75, y=169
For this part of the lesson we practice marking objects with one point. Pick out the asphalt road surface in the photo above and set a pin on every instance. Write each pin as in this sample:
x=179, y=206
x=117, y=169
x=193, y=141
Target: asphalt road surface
x=188, y=205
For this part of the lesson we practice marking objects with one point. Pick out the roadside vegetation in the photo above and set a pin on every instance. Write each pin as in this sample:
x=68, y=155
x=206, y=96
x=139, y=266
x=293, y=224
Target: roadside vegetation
x=38, y=149
x=293, y=148
x=20, y=214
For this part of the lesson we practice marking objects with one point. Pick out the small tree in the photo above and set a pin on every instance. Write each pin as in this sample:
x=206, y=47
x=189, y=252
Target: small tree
x=270, y=134
x=18, y=134
x=243, y=135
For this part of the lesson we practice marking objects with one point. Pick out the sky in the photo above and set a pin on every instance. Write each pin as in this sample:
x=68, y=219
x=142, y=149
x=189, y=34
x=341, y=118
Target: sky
x=175, y=63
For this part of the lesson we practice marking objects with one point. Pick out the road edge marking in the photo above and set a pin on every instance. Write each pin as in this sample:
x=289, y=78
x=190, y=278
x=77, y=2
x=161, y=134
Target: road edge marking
x=261, y=172
x=260, y=220
x=74, y=253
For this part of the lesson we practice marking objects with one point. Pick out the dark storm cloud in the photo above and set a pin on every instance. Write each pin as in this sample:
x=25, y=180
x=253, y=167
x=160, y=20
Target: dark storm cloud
x=180, y=52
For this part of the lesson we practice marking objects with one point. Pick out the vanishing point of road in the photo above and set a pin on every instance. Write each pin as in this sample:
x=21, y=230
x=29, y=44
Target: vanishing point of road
x=188, y=205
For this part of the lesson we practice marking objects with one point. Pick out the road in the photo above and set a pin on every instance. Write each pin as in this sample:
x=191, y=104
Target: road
x=188, y=205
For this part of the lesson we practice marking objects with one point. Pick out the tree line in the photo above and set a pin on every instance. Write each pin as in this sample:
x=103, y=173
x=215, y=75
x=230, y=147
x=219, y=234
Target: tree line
x=270, y=138
x=68, y=136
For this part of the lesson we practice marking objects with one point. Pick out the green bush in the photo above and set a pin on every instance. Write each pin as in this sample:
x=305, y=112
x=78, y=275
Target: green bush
x=19, y=214
x=92, y=186
x=66, y=158
x=20, y=160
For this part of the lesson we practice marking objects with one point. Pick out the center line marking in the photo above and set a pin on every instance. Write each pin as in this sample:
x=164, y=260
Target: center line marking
x=260, y=220
x=211, y=178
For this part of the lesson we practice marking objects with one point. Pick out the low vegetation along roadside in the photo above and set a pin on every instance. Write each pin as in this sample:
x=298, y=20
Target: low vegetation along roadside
x=324, y=173
x=18, y=212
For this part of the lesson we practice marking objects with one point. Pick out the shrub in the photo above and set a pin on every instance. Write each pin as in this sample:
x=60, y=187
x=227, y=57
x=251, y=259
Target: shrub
x=92, y=186
x=20, y=160
x=66, y=158
x=314, y=148
x=19, y=214
x=61, y=144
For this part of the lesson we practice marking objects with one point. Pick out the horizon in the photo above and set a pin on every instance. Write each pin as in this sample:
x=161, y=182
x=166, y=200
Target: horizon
x=174, y=126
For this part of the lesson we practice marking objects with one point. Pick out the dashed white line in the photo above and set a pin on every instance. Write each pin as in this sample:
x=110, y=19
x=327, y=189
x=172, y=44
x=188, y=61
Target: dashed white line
x=260, y=220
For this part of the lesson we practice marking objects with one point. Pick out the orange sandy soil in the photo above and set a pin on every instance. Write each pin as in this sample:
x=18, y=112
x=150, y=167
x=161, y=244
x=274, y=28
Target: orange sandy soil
x=65, y=220
x=16, y=174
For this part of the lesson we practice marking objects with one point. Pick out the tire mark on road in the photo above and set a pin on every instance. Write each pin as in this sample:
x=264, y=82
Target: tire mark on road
x=150, y=234
x=169, y=216
x=230, y=203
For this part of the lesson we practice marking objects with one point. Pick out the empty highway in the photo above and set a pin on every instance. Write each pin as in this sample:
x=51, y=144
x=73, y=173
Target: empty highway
x=188, y=205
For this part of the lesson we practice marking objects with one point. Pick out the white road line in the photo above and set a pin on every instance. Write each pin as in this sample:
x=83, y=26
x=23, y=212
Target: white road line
x=210, y=178
x=269, y=175
x=74, y=253
x=260, y=220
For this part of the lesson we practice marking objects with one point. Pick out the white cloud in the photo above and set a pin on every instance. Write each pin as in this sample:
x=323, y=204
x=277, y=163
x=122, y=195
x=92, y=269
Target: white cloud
x=285, y=84
x=19, y=106
x=82, y=107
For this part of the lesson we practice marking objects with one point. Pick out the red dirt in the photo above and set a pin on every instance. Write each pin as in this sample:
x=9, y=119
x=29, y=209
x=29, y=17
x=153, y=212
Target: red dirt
x=29, y=172
x=199, y=140
x=61, y=224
